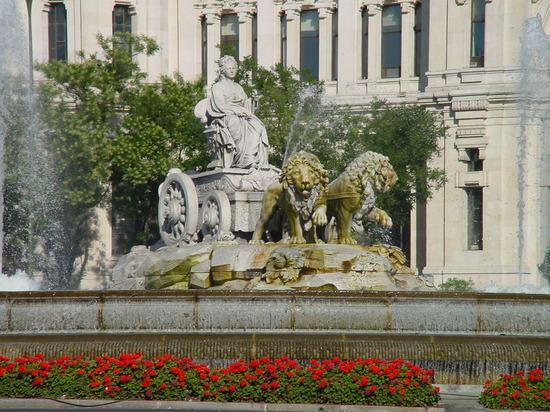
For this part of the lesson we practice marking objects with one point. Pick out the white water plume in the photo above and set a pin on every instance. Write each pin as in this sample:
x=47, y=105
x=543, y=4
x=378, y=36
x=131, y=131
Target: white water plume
x=534, y=90
x=18, y=282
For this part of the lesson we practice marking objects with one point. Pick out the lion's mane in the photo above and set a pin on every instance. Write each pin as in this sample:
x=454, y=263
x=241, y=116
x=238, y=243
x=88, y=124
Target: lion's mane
x=370, y=167
x=305, y=207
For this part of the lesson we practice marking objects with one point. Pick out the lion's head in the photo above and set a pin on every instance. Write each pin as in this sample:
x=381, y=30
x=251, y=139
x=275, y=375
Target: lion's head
x=304, y=173
x=374, y=168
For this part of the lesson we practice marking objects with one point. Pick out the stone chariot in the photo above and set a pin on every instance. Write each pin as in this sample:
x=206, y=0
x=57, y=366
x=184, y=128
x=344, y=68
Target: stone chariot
x=223, y=203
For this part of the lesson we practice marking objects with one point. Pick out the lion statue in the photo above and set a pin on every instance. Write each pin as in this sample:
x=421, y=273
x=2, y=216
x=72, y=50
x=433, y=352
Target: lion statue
x=301, y=196
x=352, y=195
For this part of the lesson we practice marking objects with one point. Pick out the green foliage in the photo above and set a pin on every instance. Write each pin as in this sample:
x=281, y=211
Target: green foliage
x=518, y=392
x=113, y=136
x=457, y=285
x=334, y=381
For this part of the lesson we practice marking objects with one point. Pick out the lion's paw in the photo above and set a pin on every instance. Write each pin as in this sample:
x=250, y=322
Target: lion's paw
x=297, y=240
x=348, y=241
x=256, y=242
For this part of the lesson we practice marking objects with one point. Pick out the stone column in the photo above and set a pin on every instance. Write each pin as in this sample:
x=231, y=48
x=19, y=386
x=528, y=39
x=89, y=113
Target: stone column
x=375, y=41
x=349, y=46
x=213, y=27
x=407, y=39
x=325, y=43
x=293, y=38
x=408, y=81
x=245, y=34
x=269, y=33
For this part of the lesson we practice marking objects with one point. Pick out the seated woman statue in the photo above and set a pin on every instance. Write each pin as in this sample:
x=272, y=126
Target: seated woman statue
x=242, y=137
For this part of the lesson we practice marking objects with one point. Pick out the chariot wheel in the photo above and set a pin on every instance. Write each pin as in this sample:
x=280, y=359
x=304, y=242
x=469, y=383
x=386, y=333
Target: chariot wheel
x=216, y=216
x=178, y=210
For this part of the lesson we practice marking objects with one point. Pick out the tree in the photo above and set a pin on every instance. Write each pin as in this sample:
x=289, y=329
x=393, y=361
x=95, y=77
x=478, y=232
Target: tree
x=113, y=137
x=158, y=132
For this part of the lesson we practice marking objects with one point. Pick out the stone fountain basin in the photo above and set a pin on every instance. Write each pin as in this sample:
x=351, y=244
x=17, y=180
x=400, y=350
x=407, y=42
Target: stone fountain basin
x=466, y=338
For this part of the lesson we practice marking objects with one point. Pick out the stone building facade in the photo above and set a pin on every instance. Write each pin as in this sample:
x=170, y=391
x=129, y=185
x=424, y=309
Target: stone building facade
x=462, y=58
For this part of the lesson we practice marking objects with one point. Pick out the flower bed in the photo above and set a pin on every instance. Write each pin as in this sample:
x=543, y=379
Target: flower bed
x=335, y=381
x=531, y=392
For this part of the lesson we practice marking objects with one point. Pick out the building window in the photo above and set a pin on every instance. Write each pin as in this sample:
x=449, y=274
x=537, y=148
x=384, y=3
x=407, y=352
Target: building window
x=391, y=41
x=204, y=46
x=255, y=37
x=475, y=217
x=478, y=34
x=230, y=35
x=475, y=164
x=57, y=31
x=364, y=43
x=475, y=203
x=122, y=21
x=334, y=66
x=283, y=39
x=309, y=42
x=418, y=40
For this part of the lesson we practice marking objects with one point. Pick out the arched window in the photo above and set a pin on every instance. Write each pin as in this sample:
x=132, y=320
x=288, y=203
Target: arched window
x=57, y=31
x=309, y=42
x=478, y=34
x=122, y=20
x=418, y=39
x=364, y=43
x=391, y=41
x=283, y=40
x=230, y=35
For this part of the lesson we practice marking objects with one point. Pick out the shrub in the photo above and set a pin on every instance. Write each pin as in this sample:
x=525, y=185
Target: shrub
x=518, y=392
x=335, y=381
x=457, y=285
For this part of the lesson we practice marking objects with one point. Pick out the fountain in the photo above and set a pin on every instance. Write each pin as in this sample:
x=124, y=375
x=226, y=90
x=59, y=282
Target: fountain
x=463, y=337
x=33, y=231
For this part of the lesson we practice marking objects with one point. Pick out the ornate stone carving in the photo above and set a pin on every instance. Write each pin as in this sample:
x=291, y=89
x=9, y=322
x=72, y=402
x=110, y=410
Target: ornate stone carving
x=236, y=137
x=301, y=195
x=469, y=105
x=284, y=266
x=354, y=192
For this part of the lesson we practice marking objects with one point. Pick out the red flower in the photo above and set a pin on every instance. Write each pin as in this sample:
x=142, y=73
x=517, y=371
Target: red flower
x=162, y=385
x=364, y=380
x=274, y=384
x=22, y=369
x=243, y=382
x=232, y=388
x=37, y=381
x=264, y=386
x=95, y=384
x=124, y=378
